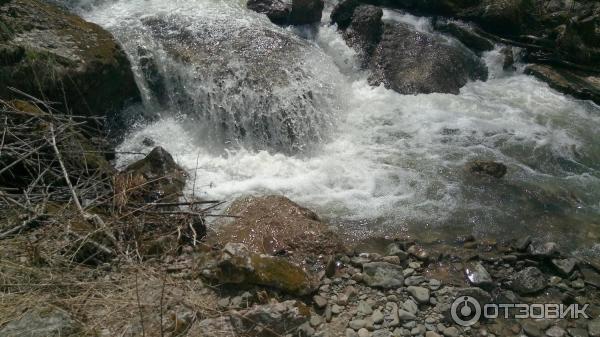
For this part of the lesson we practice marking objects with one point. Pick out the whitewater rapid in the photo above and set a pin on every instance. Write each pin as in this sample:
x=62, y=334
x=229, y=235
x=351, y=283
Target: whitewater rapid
x=390, y=163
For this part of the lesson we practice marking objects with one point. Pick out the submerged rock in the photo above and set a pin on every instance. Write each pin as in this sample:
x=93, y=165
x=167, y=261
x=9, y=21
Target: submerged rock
x=156, y=177
x=44, y=321
x=490, y=168
x=413, y=62
x=478, y=275
x=528, y=280
x=54, y=55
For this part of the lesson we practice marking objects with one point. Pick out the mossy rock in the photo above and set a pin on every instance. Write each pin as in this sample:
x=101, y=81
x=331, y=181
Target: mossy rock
x=52, y=54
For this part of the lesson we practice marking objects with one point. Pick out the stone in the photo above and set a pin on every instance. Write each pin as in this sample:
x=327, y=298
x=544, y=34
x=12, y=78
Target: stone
x=277, y=318
x=315, y=320
x=410, y=306
x=357, y=324
x=320, y=301
x=414, y=280
x=381, y=333
x=156, y=177
x=413, y=62
x=382, y=275
x=522, y=244
x=364, y=308
x=564, y=266
x=395, y=250
x=391, y=318
x=55, y=55
x=465, y=33
x=295, y=12
x=363, y=333
x=451, y=332
x=568, y=81
x=270, y=224
x=590, y=276
x=418, y=330
x=342, y=13
x=419, y=293
x=478, y=275
x=365, y=31
x=306, y=12
x=42, y=321
x=577, y=332
x=543, y=250
x=482, y=296
x=528, y=280
x=276, y=10
x=237, y=265
x=434, y=284
x=555, y=331
x=594, y=328
x=404, y=315
x=490, y=168
x=531, y=329
x=432, y=334
x=377, y=316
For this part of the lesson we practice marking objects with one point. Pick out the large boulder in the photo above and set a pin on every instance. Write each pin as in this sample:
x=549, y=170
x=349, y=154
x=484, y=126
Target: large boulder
x=465, y=33
x=579, y=40
x=569, y=81
x=277, y=225
x=365, y=29
x=413, y=62
x=285, y=12
x=51, y=54
x=252, y=85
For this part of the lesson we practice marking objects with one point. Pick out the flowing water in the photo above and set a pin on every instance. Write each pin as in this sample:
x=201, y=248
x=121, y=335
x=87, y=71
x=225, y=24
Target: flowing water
x=251, y=108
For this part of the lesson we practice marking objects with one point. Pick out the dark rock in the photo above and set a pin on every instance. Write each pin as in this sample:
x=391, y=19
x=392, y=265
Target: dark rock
x=306, y=12
x=509, y=58
x=342, y=13
x=482, y=296
x=591, y=276
x=564, y=266
x=532, y=329
x=465, y=34
x=503, y=17
x=572, y=82
x=577, y=332
x=365, y=30
x=383, y=275
x=594, y=327
x=277, y=11
x=528, y=280
x=412, y=62
x=579, y=40
x=154, y=79
x=490, y=168
x=543, y=250
x=478, y=275
x=52, y=54
x=523, y=243
x=156, y=177
x=43, y=321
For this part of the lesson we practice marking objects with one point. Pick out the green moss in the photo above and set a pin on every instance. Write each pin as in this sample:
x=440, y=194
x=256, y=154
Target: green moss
x=281, y=274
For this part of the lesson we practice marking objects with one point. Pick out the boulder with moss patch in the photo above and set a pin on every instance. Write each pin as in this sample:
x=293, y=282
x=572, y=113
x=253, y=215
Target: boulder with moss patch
x=52, y=54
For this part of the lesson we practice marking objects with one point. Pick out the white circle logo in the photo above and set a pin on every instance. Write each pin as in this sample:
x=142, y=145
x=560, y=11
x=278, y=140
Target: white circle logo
x=465, y=310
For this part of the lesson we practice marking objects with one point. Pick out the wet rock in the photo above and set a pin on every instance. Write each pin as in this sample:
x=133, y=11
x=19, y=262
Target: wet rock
x=156, y=177
x=52, y=54
x=289, y=12
x=44, y=321
x=555, y=331
x=306, y=12
x=591, y=276
x=404, y=315
x=594, y=328
x=543, y=250
x=478, y=275
x=465, y=34
x=564, y=266
x=419, y=293
x=394, y=249
x=509, y=58
x=577, y=332
x=572, y=82
x=528, y=280
x=482, y=296
x=153, y=77
x=276, y=10
x=269, y=224
x=412, y=62
x=490, y=168
x=365, y=30
x=382, y=275
x=532, y=329
x=522, y=244
x=579, y=39
x=342, y=13
x=237, y=265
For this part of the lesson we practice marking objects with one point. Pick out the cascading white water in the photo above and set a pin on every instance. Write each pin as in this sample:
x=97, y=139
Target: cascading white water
x=366, y=158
